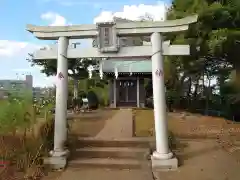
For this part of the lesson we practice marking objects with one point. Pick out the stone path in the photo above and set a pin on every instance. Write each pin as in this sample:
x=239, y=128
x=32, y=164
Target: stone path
x=120, y=126
x=117, y=127
x=96, y=174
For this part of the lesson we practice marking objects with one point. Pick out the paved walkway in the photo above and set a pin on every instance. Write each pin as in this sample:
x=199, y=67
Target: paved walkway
x=105, y=174
x=119, y=126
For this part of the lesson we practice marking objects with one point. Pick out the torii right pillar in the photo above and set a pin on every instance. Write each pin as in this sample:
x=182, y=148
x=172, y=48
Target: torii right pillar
x=162, y=157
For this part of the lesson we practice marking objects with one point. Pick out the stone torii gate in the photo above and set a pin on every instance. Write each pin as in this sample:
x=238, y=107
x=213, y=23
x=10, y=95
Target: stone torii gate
x=108, y=35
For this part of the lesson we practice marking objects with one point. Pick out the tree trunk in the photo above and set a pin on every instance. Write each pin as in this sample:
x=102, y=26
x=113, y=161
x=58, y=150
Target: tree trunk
x=208, y=95
x=196, y=91
x=196, y=88
x=181, y=85
x=189, y=91
x=195, y=94
x=236, y=67
x=75, y=88
x=189, y=87
x=203, y=85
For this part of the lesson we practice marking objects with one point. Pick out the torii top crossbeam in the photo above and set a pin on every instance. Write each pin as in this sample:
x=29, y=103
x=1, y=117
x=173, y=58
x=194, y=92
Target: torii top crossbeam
x=122, y=29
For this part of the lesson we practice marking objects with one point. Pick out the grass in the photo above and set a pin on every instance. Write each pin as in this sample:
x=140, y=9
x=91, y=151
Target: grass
x=206, y=155
x=27, y=154
x=184, y=128
x=22, y=144
x=89, y=124
x=144, y=126
x=191, y=126
x=24, y=154
x=144, y=123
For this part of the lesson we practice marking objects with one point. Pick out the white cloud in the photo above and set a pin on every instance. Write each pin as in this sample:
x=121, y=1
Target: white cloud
x=23, y=70
x=77, y=2
x=28, y=70
x=13, y=56
x=54, y=19
x=135, y=12
x=15, y=48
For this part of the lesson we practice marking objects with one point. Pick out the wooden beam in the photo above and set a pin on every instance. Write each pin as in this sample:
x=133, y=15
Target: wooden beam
x=125, y=52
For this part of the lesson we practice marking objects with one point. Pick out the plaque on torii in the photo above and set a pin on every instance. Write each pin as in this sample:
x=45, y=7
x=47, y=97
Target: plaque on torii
x=107, y=39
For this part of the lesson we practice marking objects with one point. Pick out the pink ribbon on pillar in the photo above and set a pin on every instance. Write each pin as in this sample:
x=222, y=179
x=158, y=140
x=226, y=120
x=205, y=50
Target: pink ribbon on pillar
x=60, y=75
x=159, y=72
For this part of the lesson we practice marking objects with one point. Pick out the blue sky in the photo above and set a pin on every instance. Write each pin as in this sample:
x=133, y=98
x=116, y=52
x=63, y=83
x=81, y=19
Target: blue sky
x=16, y=42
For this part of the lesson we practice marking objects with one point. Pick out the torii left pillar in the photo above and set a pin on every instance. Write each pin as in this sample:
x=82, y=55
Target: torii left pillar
x=162, y=157
x=60, y=153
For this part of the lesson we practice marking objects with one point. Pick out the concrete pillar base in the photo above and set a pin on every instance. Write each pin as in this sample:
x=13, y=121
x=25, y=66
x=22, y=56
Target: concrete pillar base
x=113, y=105
x=54, y=153
x=142, y=105
x=57, y=160
x=157, y=155
x=164, y=162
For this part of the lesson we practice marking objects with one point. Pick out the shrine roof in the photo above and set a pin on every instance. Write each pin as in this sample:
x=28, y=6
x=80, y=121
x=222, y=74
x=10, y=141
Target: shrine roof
x=132, y=65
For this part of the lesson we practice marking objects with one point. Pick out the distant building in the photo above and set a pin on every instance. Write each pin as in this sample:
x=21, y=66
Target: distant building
x=21, y=87
x=16, y=87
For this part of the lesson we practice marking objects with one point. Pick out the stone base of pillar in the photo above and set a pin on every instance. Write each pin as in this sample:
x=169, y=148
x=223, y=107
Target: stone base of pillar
x=142, y=105
x=57, y=160
x=112, y=105
x=164, y=162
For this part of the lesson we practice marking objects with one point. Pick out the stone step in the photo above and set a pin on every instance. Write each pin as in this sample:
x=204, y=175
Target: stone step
x=112, y=152
x=236, y=143
x=131, y=142
x=108, y=163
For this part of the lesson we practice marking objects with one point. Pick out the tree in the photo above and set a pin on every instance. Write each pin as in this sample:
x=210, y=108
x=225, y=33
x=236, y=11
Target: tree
x=217, y=35
x=77, y=68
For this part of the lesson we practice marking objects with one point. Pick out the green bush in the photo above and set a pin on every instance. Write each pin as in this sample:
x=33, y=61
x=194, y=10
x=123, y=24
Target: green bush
x=14, y=114
x=92, y=100
x=82, y=94
x=47, y=134
x=102, y=94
